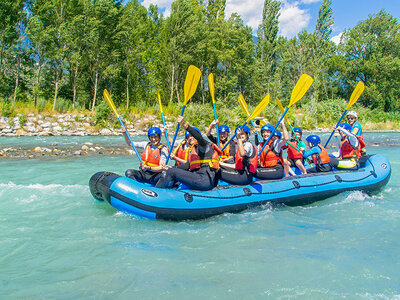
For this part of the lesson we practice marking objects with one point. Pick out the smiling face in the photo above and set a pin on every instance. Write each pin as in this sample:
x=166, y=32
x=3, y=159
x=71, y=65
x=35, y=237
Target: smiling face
x=298, y=134
x=223, y=136
x=265, y=134
x=351, y=119
x=190, y=139
x=155, y=139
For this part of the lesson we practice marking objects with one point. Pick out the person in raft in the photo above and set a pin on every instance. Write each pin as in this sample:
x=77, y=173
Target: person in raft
x=350, y=149
x=246, y=157
x=318, y=154
x=153, y=158
x=271, y=160
x=356, y=129
x=199, y=171
x=228, y=155
x=294, y=154
x=181, y=153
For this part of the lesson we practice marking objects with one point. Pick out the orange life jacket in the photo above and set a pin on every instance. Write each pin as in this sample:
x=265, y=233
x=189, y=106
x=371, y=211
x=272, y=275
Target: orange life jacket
x=347, y=150
x=293, y=153
x=251, y=164
x=209, y=159
x=182, y=153
x=227, y=151
x=268, y=157
x=321, y=158
x=151, y=157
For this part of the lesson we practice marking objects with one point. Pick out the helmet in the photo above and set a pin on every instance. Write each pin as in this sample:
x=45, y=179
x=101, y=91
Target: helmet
x=352, y=113
x=153, y=131
x=313, y=139
x=345, y=126
x=278, y=134
x=298, y=129
x=223, y=128
x=187, y=133
x=267, y=127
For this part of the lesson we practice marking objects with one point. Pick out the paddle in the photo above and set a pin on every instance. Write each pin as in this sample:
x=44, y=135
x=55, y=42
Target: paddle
x=301, y=87
x=290, y=125
x=163, y=120
x=353, y=99
x=111, y=104
x=211, y=87
x=260, y=107
x=191, y=82
x=243, y=104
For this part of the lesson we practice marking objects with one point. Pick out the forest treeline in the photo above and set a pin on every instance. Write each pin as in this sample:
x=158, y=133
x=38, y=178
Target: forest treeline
x=63, y=53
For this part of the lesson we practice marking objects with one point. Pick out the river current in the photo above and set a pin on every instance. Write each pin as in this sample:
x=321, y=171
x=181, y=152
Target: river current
x=56, y=241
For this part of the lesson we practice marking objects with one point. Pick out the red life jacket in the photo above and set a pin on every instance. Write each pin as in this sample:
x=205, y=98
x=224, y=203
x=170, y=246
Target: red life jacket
x=292, y=152
x=151, y=157
x=209, y=159
x=182, y=153
x=251, y=162
x=347, y=150
x=268, y=157
x=321, y=158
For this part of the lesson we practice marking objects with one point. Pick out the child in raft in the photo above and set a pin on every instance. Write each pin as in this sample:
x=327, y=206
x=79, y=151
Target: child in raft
x=228, y=155
x=294, y=154
x=246, y=157
x=153, y=158
x=181, y=153
x=318, y=154
x=271, y=160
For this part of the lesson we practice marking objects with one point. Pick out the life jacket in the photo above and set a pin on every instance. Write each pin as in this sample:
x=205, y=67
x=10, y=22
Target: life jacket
x=247, y=163
x=321, y=158
x=268, y=157
x=226, y=153
x=209, y=159
x=293, y=153
x=182, y=153
x=151, y=157
x=347, y=150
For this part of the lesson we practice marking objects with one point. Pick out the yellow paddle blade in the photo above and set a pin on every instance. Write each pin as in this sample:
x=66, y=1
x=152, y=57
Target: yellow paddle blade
x=191, y=82
x=262, y=123
x=110, y=102
x=356, y=94
x=301, y=87
x=282, y=109
x=260, y=107
x=159, y=102
x=243, y=104
x=211, y=86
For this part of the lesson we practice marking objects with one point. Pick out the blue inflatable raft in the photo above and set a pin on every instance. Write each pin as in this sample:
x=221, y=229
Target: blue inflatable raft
x=145, y=200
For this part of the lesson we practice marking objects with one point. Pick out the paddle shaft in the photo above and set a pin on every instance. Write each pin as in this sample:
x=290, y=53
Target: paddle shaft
x=333, y=131
x=175, y=135
x=273, y=131
x=165, y=130
x=258, y=134
x=233, y=136
x=130, y=140
x=215, y=118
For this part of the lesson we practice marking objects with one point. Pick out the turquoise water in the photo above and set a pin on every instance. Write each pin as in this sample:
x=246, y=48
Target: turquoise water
x=56, y=241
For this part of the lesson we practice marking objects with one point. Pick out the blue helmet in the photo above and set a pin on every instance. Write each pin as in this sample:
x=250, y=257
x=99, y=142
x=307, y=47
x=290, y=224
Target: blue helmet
x=278, y=134
x=223, y=128
x=153, y=131
x=187, y=133
x=267, y=127
x=313, y=139
x=244, y=129
x=345, y=126
x=298, y=129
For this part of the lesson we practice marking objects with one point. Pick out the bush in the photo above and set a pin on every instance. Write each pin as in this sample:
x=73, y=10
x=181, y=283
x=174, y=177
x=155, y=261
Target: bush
x=102, y=113
x=7, y=109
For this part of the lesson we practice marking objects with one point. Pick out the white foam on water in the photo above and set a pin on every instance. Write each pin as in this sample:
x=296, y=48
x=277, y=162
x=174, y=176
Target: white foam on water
x=43, y=187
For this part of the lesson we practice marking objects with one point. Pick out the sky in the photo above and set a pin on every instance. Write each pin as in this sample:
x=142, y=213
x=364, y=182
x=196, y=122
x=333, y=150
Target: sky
x=297, y=15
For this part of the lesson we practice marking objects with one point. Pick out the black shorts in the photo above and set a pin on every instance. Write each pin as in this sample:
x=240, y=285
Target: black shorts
x=293, y=161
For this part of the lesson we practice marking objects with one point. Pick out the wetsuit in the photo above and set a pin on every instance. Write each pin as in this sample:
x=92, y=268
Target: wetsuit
x=244, y=167
x=197, y=175
x=152, y=156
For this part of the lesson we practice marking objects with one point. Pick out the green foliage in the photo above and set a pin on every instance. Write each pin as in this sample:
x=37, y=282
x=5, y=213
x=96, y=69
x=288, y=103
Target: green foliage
x=6, y=109
x=102, y=113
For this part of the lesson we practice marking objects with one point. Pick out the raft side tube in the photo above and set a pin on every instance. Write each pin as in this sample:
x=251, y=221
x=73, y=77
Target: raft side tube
x=100, y=183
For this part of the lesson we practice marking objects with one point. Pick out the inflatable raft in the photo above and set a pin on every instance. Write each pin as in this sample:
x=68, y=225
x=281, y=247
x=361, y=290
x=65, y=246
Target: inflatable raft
x=147, y=201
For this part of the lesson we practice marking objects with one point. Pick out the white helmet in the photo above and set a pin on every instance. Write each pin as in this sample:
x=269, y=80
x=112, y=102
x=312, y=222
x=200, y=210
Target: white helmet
x=352, y=113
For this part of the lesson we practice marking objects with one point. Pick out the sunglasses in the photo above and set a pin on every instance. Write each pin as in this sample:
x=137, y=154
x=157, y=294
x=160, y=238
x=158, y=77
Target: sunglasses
x=351, y=118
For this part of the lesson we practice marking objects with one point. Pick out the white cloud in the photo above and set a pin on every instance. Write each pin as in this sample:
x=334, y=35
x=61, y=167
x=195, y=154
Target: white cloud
x=249, y=10
x=336, y=38
x=310, y=1
x=293, y=19
x=162, y=4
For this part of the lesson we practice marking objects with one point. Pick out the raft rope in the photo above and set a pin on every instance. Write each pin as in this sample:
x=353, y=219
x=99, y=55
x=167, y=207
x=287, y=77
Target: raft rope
x=296, y=186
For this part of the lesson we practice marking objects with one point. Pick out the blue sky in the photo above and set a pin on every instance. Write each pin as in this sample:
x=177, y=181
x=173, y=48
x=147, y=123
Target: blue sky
x=297, y=15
